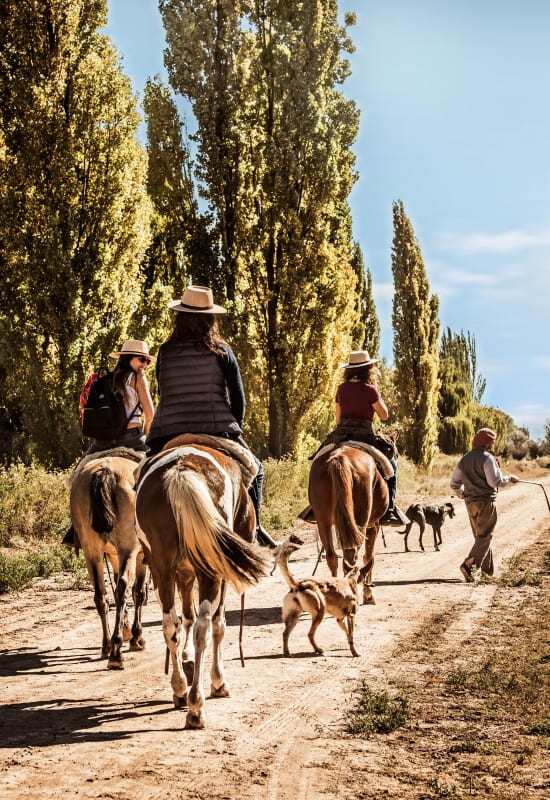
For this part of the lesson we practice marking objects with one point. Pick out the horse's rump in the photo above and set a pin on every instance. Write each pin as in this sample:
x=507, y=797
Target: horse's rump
x=103, y=503
x=201, y=493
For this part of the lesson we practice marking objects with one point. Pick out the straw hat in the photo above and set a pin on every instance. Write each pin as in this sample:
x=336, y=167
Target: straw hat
x=196, y=300
x=134, y=347
x=359, y=358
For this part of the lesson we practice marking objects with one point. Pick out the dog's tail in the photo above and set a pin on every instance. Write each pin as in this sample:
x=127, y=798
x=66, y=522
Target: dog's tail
x=342, y=485
x=282, y=554
x=103, y=505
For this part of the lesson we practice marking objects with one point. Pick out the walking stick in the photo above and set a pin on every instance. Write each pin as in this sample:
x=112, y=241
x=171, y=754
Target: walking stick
x=537, y=483
x=319, y=557
x=241, y=631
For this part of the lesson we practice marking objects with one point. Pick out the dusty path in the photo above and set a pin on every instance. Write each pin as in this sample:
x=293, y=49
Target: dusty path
x=70, y=728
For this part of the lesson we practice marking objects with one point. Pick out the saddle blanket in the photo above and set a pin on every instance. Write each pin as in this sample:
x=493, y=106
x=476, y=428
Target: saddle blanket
x=176, y=448
x=382, y=462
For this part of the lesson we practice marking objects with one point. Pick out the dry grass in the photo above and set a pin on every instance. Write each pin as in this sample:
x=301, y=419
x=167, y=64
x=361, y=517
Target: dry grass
x=480, y=720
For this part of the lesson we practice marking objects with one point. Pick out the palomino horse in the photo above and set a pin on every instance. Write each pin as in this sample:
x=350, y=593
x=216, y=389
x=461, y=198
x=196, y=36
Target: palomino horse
x=346, y=490
x=103, y=515
x=196, y=522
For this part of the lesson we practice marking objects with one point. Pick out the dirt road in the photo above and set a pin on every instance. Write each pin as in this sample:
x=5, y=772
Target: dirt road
x=70, y=728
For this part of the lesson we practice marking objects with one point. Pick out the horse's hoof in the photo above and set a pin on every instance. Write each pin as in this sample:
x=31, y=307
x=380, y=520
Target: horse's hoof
x=223, y=691
x=189, y=671
x=115, y=664
x=180, y=702
x=194, y=721
x=318, y=651
x=137, y=644
x=354, y=652
x=368, y=600
x=105, y=652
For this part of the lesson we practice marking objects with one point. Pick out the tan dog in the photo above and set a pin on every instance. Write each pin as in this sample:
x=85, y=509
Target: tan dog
x=337, y=596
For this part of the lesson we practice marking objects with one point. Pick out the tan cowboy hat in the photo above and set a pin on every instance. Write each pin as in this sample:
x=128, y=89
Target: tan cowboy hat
x=133, y=347
x=359, y=358
x=196, y=300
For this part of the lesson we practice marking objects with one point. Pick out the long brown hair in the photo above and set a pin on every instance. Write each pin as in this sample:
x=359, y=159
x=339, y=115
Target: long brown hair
x=120, y=375
x=199, y=329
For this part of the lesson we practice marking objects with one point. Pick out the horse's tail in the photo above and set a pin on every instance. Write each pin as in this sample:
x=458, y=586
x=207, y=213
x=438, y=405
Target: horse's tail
x=341, y=476
x=204, y=536
x=103, y=505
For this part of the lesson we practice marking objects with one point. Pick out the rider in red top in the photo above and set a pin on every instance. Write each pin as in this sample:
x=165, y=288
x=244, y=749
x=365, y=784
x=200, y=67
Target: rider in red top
x=358, y=402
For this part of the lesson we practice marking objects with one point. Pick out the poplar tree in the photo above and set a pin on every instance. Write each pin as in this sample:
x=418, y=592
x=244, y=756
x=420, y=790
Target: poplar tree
x=367, y=332
x=275, y=165
x=416, y=330
x=73, y=211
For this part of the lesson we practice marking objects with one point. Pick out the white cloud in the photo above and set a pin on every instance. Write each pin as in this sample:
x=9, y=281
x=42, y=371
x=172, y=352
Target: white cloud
x=511, y=241
x=383, y=291
x=532, y=416
x=463, y=277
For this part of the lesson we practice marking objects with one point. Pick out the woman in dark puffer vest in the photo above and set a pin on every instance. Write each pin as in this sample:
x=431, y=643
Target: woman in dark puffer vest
x=200, y=384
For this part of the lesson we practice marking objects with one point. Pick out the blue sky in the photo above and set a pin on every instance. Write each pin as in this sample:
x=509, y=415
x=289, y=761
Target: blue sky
x=455, y=122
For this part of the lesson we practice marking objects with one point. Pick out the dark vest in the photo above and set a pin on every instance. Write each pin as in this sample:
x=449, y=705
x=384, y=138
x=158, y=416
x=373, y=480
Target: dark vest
x=193, y=394
x=475, y=483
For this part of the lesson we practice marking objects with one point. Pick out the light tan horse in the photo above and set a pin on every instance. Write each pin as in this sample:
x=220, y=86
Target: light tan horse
x=197, y=523
x=103, y=515
x=347, y=491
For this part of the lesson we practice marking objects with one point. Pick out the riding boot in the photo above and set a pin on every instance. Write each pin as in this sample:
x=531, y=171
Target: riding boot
x=393, y=517
x=255, y=491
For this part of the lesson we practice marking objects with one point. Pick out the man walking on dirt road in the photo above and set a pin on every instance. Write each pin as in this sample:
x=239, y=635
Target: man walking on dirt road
x=477, y=479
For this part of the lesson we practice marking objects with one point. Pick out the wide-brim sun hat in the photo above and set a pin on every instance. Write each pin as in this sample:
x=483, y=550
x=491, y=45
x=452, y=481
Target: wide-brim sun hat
x=359, y=358
x=196, y=300
x=133, y=347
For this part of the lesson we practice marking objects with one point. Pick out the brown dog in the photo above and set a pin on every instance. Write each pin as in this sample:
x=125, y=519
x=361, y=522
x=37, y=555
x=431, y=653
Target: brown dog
x=337, y=596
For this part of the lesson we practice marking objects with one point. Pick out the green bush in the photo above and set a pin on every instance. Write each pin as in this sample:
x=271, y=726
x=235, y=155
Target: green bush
x=18, y=570
x=286, y=484
x=377, y=712
x=34, y=504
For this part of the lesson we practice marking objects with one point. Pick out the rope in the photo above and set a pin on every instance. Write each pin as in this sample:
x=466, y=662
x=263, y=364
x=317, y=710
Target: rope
x=109, y=574
x=537, y=483
x=241, y=631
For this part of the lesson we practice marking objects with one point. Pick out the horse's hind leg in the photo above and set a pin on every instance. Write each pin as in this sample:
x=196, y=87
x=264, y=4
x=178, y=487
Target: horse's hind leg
x=125, y=580
x=171, y=628
x=219, y=686
x=139, y=593
x=186, y=581
x=368, y=561
x=325, y=534
x=208, y=594
x=95, y=570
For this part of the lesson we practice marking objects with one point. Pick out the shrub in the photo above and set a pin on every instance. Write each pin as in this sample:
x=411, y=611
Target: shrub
x=377, y=712
x=17, y=571
x=34, y=503
x=285, y=491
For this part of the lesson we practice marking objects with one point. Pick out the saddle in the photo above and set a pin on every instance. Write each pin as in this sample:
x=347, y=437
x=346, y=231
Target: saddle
x=382, y=462
x=236, y=451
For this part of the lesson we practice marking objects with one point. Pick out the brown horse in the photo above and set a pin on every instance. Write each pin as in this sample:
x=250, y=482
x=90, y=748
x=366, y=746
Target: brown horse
x=346, y=490
x=196, y=523
x=103, y=515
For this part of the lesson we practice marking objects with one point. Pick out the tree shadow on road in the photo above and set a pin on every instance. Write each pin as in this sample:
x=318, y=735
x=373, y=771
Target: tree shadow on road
x=29, y=660
x=61, y=721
